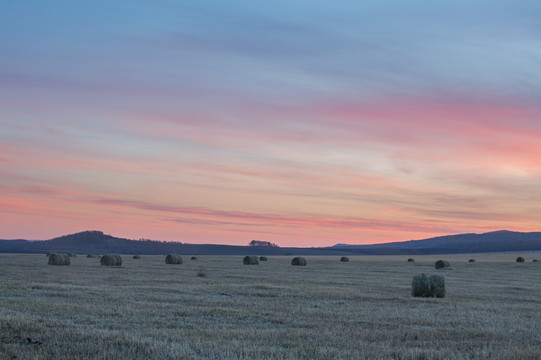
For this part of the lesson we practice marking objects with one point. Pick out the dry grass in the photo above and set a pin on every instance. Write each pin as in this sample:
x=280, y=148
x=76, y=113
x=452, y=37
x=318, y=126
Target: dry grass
x=148, y=310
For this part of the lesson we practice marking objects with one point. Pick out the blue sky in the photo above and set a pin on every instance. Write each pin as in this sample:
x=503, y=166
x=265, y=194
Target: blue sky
x=298, y=122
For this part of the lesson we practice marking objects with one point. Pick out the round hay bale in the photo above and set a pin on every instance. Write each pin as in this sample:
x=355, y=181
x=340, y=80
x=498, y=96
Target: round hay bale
x=193, y=258
x=428, y=286
x=107, y=260
x=137, y=257
x=471, y=260
x=201, y=273
x=535, y=260
x=344, y=259
x=173, y=259
x=420, y=286
x=437, y=286
x=263, y=258
x=520, y=259
x=298, y=261
x=111, y=260
x=250, y=260
x=411, y=260
x=59, y=259
x=442, y=264
x=91, y=256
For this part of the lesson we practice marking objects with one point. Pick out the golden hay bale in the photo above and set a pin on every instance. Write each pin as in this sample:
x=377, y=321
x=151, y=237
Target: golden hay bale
x=428, y=286
x=173, y=259
x=520, y=259
x=111, y=260
x=263, y=258
x=250, y=260
x=344, y=259
x=59, y=259
x=299, y=261
x=442, y=264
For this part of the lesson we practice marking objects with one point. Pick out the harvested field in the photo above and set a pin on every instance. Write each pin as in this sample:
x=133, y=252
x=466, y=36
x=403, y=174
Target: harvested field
x=148, y=310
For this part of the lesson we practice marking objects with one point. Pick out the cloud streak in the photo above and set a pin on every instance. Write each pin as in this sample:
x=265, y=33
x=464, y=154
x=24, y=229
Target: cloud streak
x=301, y=124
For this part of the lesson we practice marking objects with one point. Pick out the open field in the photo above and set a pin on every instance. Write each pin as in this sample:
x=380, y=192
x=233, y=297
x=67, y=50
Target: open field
x=361, y=309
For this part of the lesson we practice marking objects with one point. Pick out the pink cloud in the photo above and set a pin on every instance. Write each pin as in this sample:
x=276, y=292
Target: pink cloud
x=327, y=172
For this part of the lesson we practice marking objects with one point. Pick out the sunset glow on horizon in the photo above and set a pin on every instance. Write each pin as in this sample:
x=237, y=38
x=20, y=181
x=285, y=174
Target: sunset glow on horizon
x=292, y=122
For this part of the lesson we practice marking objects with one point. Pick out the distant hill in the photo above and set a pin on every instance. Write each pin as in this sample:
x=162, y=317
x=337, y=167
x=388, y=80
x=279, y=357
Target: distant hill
x=496, y=241
x=96, y=242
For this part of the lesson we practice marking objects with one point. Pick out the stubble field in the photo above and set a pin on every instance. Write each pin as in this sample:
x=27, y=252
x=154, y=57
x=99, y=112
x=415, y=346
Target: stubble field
x=329, y=309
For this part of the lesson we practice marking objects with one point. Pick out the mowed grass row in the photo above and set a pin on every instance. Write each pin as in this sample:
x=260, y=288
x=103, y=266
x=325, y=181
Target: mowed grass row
x=329, y=309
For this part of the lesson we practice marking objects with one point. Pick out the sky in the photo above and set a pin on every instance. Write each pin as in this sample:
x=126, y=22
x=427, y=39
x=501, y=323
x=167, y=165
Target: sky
x=303, y=123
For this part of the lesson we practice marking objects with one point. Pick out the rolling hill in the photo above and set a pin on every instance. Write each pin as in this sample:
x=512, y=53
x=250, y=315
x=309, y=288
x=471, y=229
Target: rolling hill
x=96, y=242
x=496, y=241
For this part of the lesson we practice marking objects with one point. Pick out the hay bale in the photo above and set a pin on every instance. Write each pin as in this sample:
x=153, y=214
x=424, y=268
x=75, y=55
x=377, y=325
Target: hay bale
x=298, y=261
x=471, y=260
x=111, y=260
x=535, y=260
x=344, y=259
x=442, y=264
x=263, y=258
x=428, y=286
x=107, y=260
x=59, y=259
x=250, y=260
x=520, y=259
x=92, y=256
x=137, y=257
x=173, y=259
x=411, y=260
x=420, y=286
x=201, y=273
x=437, y=286
x=193, y=258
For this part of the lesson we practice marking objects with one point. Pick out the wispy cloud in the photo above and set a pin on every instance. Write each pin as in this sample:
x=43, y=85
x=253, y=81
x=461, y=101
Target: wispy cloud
x=301, y=124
